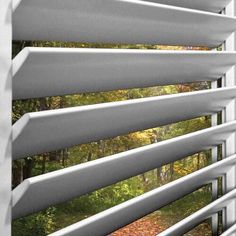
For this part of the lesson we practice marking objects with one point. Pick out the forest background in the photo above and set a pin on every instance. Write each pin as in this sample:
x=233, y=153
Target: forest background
x=57, y=217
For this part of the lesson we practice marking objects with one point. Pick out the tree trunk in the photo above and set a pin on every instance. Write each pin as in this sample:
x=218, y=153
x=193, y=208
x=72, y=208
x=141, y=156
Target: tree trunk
x=27, y=169
x=198, y=161
x=171, y=171
x=43, y=167
x=89, y=156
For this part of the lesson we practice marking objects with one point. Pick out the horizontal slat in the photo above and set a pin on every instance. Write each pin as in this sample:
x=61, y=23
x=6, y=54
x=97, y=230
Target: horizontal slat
x=40, y=72
x=51, y=130
x=198, y=217
x=209, y=5
x=127, y=212
x=82, y=179
x=230, y=231
x=118, y=21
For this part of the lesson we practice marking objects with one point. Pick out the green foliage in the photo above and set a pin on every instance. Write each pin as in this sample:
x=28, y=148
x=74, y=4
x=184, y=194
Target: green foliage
x=105, y=198
x=40, y=224
x=184, y=207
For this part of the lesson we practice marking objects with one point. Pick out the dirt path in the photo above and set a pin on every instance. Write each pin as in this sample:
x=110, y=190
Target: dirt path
x=148, y=226
x=155, y=224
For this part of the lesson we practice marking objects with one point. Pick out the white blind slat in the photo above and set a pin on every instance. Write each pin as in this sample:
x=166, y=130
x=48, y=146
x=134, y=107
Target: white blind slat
x=116, y=21
x=40, y=72
x=39, y=132
x=209, y=5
